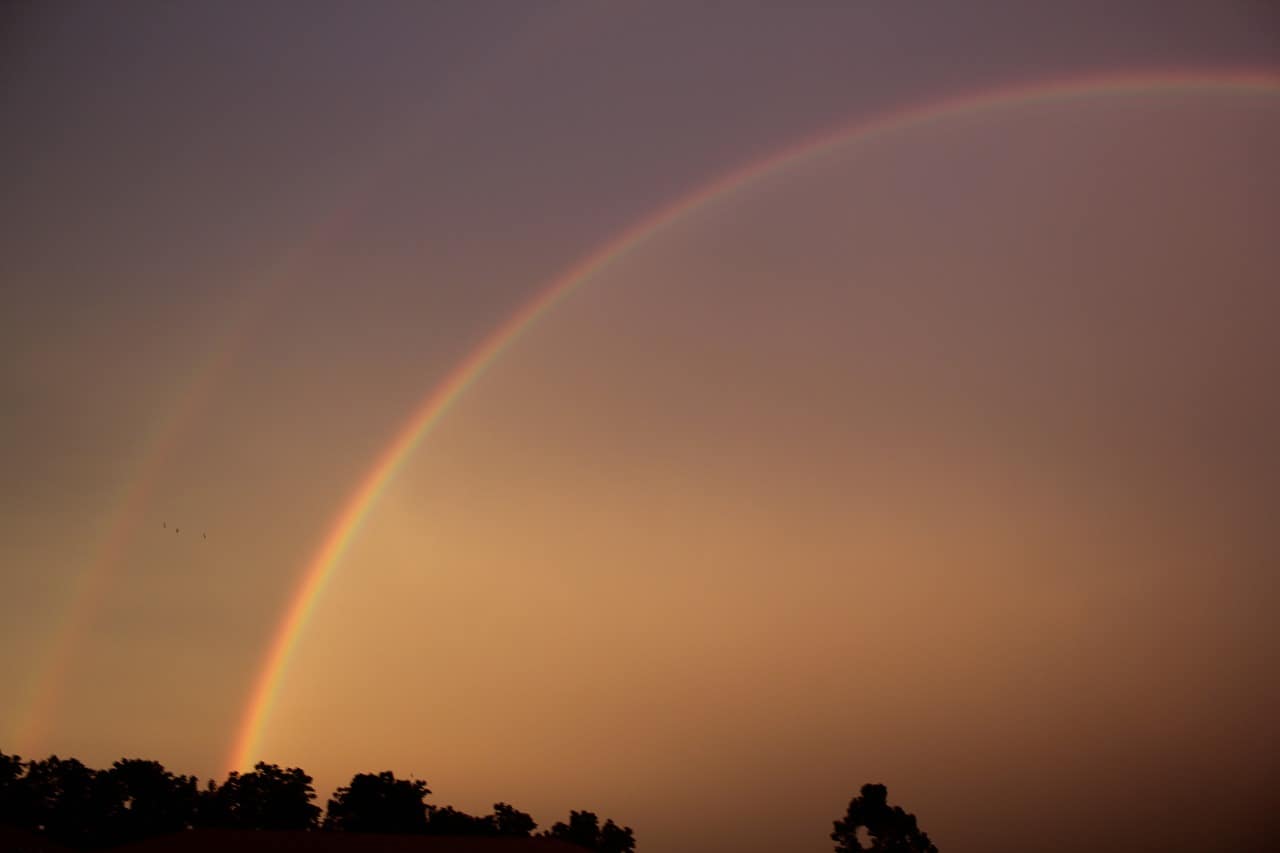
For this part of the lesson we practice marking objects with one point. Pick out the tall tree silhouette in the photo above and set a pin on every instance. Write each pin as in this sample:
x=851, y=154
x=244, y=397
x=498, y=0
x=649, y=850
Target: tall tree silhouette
x=266, y=798
x=149, y=800
x=13, y=805
x=68, y=802
x=379, y=803
x=887, y=828
x=584, y=830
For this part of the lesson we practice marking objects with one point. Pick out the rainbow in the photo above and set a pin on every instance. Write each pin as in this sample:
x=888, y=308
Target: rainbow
x=131, y=506
x=346, y=524
x=45, y=691
x=252, y=304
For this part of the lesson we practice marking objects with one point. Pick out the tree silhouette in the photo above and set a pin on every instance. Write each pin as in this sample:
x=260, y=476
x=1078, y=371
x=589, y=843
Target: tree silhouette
x=616, y=839
x=451, y=821
x=149, y=800
x=69, y=804
x=508, y=820
x=379, y=803
x=266, y=798
x=888, y=828
x=584, y=830
x=13, y=805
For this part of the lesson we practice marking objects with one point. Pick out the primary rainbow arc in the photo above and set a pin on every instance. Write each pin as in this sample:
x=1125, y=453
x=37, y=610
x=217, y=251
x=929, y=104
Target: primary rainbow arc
x=436, y=404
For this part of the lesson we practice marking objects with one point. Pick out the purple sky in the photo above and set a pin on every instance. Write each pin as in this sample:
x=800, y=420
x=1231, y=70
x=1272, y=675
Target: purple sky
x=953, y=456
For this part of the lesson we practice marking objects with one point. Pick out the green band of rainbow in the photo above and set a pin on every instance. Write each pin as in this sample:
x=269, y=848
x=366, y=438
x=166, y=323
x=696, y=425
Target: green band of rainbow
x=437, y=403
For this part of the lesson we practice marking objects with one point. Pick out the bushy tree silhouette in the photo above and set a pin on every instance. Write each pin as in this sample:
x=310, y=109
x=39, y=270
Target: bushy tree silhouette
x=616, y=839
x=67, y=801
x=379, y=803
x=12, y=790
x=508, y=820
x=450, y=821
x=60, y=799
x=149, y=800
x=887, y=828
x=70, y=804
x=77, y=806
x=584, y=830
x=266, y=798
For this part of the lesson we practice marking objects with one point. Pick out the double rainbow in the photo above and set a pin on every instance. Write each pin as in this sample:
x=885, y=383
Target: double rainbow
x=346, y=524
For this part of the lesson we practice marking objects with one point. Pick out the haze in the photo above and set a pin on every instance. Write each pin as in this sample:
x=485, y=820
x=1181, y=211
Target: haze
x=946, y=459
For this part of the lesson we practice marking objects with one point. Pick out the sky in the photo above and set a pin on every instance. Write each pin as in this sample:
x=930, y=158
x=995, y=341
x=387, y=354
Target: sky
x=942, y=457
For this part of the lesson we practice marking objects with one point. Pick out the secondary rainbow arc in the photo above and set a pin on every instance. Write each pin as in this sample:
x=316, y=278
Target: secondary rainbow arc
x=252, y=302
x=346, y=524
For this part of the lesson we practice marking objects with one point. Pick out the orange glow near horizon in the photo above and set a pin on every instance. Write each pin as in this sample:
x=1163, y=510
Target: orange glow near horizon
x=685, y=417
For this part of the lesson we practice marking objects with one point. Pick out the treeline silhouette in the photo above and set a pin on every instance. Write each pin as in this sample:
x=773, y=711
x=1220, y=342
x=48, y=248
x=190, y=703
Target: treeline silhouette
x=77, y=806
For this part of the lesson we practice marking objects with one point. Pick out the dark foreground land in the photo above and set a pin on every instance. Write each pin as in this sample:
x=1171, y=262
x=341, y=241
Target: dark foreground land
x=262, y=841
x=137, y=805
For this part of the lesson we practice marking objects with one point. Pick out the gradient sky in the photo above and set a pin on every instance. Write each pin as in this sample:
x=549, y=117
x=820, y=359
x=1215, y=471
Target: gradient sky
x=947, y=461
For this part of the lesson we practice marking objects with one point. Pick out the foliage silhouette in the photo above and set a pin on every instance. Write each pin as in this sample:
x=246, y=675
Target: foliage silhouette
x=584, y=830
x=510, y=821
x=148, y=800
x=379, y=803
x=450, y=821
x=888, y=828
x=266, y=798
x=12, y=790
x=67, y=803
